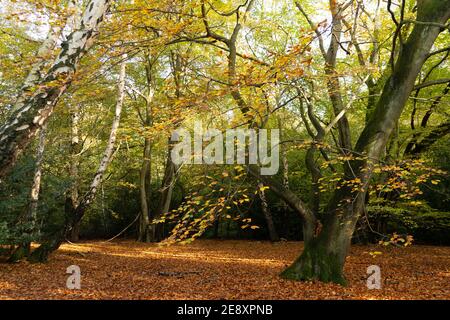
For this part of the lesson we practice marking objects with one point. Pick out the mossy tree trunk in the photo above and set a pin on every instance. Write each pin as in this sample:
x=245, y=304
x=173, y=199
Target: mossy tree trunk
x=43, y=251
x=326, y=245
x=325, y=251
x=20, y=252
x=322, y=259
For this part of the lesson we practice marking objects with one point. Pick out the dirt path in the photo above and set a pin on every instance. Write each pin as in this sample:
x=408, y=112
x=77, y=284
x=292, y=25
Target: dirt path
x=210, y=269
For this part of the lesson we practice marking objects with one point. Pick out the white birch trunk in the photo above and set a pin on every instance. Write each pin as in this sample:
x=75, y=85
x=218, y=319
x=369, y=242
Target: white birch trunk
x=44, y=53
x=74, y=165
x=74, y=156
x=35, y=74
x=24, y=122
x=36, y=187
x=41, y=253
x=90, y=194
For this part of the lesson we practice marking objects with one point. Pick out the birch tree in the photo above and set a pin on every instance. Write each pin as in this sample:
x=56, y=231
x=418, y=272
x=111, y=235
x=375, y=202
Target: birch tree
x=31, y=215
x=35, y=110
x=75, y=214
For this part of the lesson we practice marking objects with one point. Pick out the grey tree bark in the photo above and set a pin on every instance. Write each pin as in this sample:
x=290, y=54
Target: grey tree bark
x=267, y=214
x=170, y=169
x=75, y=149
x=144, y=189
x=146, y=229
x=166, y=191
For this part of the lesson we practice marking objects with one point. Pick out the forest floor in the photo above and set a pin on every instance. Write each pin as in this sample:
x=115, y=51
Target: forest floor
x=214, y=269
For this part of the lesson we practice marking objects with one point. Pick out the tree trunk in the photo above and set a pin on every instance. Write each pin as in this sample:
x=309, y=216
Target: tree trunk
x=36, y=188
x=285, y=182
x=75, y=149
x=144, y=226
x=44, y=53
x=333, y=81
x=23, y=250
x=326, y=245
x=75, y=214
x=267, y=214
x=35, y=74
x=323, y=257
x=24, y=122
x=75, y=232
x=166, y=192
x=146, y=230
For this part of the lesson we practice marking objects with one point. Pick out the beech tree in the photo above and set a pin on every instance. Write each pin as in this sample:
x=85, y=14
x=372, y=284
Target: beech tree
x=328, y=234
x=327, y=242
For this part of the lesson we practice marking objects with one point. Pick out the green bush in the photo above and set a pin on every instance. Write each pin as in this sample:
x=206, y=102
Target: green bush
x=424, y=223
